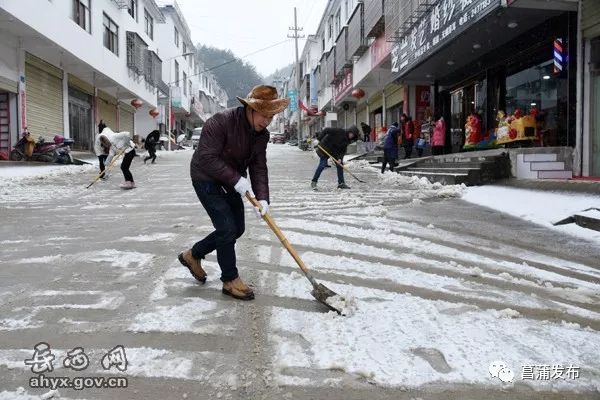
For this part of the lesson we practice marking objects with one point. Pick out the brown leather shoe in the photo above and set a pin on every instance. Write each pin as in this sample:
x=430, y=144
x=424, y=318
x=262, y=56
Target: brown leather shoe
x=238, y=289
x=193, y=264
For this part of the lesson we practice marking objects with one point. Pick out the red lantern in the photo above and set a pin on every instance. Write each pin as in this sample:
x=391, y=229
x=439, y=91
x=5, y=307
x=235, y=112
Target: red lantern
x=137, y=103
x=358, y=93
x=154, y=113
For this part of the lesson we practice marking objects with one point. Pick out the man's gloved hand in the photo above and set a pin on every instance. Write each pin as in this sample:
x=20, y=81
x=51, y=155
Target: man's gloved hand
x=264, y=208
x=242, y=186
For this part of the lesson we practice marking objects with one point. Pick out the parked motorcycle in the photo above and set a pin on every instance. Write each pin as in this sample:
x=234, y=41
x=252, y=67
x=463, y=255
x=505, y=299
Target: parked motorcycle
x=57, y=151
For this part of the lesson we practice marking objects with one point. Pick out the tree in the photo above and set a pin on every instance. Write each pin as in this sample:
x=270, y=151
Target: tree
x=234, y=75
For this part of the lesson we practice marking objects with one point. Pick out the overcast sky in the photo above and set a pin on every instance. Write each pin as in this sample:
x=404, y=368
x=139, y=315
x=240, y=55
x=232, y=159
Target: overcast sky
x=247, y=26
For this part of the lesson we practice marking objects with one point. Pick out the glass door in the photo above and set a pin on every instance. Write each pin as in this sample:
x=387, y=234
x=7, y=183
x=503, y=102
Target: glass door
x=457, y=118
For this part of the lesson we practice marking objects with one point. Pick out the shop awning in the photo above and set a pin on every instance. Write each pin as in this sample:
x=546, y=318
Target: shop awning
x=494, y=26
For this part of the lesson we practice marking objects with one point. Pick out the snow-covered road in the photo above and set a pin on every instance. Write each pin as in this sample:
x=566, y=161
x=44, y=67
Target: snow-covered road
x=438, y=288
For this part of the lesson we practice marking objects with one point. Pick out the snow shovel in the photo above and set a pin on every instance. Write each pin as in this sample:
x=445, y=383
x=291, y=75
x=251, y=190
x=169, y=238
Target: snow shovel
x=340, y=164
x=112, y=163
x=320, y=292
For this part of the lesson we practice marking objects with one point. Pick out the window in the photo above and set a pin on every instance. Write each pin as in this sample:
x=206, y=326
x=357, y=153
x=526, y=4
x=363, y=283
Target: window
x=184, y=84
x=176, y=37
x=132, y=8
x=148, y=24
x=176, y=73
x=337, y=23
x=191, y=61
x=184, y=49
x=330, y=27
x=111, y=35
x=81, y=14
x=190, y=87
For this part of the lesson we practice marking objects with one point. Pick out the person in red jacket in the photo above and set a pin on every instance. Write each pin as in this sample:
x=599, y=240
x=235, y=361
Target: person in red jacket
x=232, y=142
x=438, y=139
x=408, y=134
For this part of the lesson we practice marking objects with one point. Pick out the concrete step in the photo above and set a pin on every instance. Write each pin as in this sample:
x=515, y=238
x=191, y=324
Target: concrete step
x=540, y=157
x=441, y=169
x=547, y=166
x=555, y=174
x=443, y=178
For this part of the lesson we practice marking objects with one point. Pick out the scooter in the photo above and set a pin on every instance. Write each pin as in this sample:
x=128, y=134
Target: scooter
x=57, y=151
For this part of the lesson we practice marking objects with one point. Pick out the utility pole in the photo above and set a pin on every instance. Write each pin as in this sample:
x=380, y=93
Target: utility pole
x=296, y=36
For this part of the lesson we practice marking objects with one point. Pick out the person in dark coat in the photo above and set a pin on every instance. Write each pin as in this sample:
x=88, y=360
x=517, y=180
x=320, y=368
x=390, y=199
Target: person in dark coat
x=390, y=147
x=150, y=145
x=334, y=141
x=232, y=142
x=366, y=131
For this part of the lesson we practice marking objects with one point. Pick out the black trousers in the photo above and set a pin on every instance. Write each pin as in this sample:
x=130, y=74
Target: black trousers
x=126, y=164
x=101, y=159
x=408, y=145
x=151, y=154
x=226, y=211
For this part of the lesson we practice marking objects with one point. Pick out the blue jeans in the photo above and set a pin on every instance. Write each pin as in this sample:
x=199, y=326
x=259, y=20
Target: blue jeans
x=226, y=211
x=321, y=167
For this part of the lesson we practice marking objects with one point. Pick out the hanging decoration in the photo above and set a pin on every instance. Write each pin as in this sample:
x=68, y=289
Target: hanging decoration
x=137, y=103
x=358, y=93
x=154, y=113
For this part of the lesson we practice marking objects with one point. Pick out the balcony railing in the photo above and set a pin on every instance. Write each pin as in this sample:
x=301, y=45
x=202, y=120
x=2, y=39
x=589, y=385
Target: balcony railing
x=342, y=60
x=374, y=17
x=331, y=66
x=357, y=43
x=136, y=53
x=152, y=68
x=401, y=17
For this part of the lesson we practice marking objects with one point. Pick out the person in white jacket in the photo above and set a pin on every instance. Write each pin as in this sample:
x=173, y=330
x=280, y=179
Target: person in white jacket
x=118, y=142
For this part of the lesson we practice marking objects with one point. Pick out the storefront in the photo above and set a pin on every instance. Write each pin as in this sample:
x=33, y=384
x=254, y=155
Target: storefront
x=8, y=120
x=107, y=110
x=590, y=138
x=80, y=114
x=44, y=98
x=518, y=93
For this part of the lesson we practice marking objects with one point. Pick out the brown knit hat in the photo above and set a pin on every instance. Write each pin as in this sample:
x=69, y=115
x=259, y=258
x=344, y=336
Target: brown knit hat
x=263, y=99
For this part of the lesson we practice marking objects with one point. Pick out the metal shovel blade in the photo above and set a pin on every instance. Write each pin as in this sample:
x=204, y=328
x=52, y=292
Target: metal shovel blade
x=322, y=293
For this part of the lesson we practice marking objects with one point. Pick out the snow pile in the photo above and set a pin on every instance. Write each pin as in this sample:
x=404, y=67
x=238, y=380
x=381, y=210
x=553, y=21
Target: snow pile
x=540, y=207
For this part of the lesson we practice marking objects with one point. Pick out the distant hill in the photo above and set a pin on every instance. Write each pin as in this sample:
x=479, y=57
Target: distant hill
x=235, y=76
x=282, y=73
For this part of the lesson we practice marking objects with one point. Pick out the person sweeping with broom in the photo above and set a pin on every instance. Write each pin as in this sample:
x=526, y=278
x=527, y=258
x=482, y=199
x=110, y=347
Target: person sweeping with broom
x=232, y=142
x=334, y=141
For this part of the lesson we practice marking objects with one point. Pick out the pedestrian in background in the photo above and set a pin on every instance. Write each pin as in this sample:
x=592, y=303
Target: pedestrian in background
x=366, y=129
x=334, y=141
x=101, y=149
x=438, y=139
x=408, y=132
x=150, y=145
x=233, y=142
x=390, y=147
x=120, y=142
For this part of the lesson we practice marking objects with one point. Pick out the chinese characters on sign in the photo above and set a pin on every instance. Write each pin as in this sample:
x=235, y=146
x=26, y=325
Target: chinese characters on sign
x=293, y=96
x=444, y=20
x=343, y=87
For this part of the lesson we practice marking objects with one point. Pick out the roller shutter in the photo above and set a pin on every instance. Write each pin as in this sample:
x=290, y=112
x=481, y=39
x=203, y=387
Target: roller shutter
x=375, y=102
x=126, y=117
x=44, y=98
x=393, y=95
x=107, y=110
x=361, y=116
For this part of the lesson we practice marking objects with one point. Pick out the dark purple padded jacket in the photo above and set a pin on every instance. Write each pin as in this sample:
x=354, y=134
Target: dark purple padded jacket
x=228, y=147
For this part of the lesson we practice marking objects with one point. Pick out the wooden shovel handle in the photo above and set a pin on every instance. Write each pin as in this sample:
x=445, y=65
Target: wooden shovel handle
x=340, y=164
x=269, y=220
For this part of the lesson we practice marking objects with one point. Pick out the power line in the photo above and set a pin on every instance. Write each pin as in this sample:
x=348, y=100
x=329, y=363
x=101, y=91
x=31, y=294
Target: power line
x=232, y=60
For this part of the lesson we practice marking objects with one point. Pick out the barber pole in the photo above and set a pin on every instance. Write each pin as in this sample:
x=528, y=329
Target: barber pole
x=558, y=55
